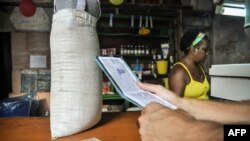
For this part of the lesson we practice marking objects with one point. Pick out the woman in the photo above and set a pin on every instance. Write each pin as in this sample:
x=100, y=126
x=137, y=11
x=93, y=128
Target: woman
x=187, y=78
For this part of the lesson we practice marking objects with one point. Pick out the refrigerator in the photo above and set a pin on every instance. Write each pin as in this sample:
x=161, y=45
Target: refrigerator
x=230, y=81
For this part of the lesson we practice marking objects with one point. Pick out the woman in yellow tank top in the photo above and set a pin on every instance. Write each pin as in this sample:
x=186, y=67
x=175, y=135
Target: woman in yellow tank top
x=187, y=78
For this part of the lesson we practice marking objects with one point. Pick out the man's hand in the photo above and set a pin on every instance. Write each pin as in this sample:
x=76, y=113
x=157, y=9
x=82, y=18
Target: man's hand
x=158, y=123
x=161, y=92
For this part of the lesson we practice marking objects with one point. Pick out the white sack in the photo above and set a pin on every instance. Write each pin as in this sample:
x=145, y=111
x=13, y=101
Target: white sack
x=75, y=77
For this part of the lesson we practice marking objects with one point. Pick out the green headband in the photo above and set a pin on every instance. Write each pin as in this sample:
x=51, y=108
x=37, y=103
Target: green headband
x=199, y=37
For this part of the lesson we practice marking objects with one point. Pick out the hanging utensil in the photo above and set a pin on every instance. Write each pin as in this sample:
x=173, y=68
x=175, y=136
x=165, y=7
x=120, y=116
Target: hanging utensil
x=111, y=20
x=116, y=2
x=144, y=30
x=151, y=22
x=132, y=21
x=146, y=21
x=140, y=22
x=117, y=11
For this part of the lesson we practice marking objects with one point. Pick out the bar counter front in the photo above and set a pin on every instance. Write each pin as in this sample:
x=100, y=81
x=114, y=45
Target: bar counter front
x=120, y=126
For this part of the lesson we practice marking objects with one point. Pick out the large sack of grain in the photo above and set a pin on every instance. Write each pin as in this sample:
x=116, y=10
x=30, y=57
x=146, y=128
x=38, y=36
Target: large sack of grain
x=75, y=77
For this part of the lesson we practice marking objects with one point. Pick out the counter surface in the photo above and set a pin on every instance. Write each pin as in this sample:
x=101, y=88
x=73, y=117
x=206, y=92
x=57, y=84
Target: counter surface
x=112, y=127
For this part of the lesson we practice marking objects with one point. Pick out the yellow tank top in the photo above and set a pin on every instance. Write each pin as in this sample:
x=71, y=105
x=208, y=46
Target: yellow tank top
x=196, y=89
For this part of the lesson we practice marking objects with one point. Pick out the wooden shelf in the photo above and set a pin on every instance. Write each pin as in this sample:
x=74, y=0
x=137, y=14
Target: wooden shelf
x=133, y=35
x=150, y=76
x=197, y=13
x=121, y=32
x=132, y=56
x=137, y=56
x=111, y=97
x=165, y=10
x=136, y=17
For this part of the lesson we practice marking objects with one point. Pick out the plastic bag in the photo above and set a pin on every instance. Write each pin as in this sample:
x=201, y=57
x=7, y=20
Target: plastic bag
x=18, y=106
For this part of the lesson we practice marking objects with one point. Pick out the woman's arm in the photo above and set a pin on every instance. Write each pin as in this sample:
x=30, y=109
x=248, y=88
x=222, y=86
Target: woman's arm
x=222, y=112
x=177, y=80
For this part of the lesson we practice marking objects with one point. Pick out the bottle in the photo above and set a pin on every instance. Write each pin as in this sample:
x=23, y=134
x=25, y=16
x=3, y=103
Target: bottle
x=140, y=73
x=158, y=56
x=171, y=61
x=142, y=50
x=139, y=50
x=131, y=50
x=136, y=50
x=154, y=57
x=147, y=50
x=121, y=50
x=153, y=66
x=128, y=49
x=125, y=50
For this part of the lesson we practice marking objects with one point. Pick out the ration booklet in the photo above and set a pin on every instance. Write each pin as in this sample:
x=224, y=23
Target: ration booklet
x=125, y=82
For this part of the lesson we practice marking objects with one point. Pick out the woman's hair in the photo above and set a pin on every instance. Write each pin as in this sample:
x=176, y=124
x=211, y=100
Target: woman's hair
x=188, y=38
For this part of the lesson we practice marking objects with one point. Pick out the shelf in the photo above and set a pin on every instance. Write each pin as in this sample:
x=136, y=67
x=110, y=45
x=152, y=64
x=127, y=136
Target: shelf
x=166, y=10
x=133, y=35
x=136, y=17
x=132, y=56
x=197, y=13
x=150, y=76
x=111, y=97
x=136, y=56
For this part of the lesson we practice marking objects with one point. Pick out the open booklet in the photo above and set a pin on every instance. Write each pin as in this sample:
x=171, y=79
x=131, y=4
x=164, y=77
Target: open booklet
x=125, y=82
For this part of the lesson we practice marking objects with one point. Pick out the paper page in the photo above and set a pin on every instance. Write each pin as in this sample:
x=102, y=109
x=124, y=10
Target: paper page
x=38, y=61
x=117, y=69
x=143, y=98
x=126, y=81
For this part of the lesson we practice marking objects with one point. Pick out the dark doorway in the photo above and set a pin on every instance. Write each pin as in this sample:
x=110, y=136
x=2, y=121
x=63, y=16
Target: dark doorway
x=5, y=65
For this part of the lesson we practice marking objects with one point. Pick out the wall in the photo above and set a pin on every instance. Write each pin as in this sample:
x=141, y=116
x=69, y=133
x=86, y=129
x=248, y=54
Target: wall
x=230, y=43
x=24, y=44
x=6, y=25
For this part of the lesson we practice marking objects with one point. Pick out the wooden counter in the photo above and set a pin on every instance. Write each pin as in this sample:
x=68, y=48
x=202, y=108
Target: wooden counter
x=112, y=127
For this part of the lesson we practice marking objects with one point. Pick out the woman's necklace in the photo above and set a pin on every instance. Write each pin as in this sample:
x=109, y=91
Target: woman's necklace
x=199, y=73
x=194, y=69
x=196, y=72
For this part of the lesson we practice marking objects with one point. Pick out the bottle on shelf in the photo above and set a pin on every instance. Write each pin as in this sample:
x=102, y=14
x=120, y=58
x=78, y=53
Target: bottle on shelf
x=171, y=62
x=153, y=66
x=138, y=69
x=159, y=57
x=139, y=50
x=165, y=50
x=124, y=50
x=128, y=49
x=121, y=50
x=147, y=50
x=132, y=50
x=143, y=50
x=136, y=50
x=162, y=64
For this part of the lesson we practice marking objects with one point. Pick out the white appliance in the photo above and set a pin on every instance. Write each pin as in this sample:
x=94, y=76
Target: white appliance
x=230, y=81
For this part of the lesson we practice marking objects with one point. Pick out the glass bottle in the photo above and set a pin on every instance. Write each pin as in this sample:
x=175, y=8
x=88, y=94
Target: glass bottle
x=121, y=50
x=147, y=50
x=143, y=50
